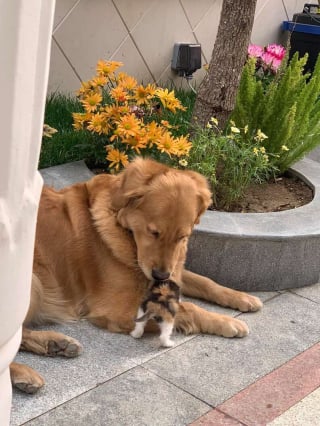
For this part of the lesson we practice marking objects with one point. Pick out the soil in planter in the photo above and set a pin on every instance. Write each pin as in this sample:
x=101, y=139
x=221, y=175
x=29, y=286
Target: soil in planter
x=284, y=193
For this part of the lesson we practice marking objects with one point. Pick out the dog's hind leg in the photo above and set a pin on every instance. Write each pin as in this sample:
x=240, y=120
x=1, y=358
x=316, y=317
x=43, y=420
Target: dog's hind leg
x=193, y=319
x=49, y=343
x=25, y=378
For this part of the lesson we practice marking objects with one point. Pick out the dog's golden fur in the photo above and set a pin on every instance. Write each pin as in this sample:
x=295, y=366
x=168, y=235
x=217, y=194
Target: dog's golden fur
x=99, y=243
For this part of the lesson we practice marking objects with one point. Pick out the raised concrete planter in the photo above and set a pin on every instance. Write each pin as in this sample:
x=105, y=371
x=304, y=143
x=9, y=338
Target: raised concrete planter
x=246, y=251
x=262, y=251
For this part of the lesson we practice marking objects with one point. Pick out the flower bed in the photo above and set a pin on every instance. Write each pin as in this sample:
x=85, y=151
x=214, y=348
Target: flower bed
x=262, y=251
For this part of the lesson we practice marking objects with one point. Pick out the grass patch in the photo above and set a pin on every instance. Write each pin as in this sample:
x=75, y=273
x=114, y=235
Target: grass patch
x=69, y=145
x=66, y=145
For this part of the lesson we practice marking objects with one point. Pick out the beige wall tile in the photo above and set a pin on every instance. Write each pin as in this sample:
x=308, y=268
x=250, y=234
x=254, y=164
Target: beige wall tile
x=268, y=21
x=62, y=77
x=133, y=11
x=92, y=31
x=163, y=25
x=132, y=60
x=196, y=10
x=62, y=9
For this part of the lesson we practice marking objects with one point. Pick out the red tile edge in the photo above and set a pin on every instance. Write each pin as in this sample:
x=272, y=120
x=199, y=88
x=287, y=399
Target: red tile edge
x=270, y=396
x=216, y=418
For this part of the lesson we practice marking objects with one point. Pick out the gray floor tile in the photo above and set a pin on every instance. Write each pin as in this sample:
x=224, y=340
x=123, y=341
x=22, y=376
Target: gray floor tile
x=137, y=397
x=105, y=355
x=213, y=368
x=66, y=174
x=311, y=292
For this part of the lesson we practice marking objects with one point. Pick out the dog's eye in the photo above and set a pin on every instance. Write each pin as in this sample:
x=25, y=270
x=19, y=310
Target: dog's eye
x=154, y=232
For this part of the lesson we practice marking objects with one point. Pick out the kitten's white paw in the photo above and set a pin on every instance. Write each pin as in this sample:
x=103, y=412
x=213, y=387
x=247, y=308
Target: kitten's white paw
x=167, y=343
x=136, y=333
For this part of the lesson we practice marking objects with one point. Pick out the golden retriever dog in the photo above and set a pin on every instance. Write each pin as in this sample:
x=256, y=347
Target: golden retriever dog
x=98, y=246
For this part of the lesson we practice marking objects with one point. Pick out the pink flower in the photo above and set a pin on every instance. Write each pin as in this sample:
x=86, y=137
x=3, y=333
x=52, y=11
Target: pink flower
x=276, y=50
x=273, y=56
x=255, y=51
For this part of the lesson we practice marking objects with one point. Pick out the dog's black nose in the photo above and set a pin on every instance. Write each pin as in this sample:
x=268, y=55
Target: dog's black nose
x=159, y=275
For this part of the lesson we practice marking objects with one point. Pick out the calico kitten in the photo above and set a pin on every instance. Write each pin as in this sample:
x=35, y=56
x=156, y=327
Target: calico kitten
x=161, y=304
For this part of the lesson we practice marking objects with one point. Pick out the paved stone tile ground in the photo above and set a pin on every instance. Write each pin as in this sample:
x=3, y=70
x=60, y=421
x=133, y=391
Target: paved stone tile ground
x=119, y=380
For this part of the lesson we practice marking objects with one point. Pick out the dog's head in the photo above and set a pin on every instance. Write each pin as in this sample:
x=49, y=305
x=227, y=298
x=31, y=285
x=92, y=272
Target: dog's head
x=160, y=206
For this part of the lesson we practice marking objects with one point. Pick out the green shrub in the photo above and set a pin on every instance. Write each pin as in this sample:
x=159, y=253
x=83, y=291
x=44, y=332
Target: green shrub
x=287, y=110
x=231, y=162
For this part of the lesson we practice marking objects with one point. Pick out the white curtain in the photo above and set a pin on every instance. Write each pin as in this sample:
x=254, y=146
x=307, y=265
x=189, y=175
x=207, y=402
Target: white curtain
x=25, y=40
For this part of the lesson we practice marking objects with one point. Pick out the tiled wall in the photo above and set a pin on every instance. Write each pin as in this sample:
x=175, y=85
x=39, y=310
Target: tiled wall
x=141, y=33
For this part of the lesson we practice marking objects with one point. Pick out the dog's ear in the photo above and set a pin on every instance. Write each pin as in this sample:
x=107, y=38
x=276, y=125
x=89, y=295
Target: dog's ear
x=133, y=181
x=204, y=193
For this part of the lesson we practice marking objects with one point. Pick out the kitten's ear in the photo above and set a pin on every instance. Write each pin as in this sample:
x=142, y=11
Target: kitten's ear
x=145, y=317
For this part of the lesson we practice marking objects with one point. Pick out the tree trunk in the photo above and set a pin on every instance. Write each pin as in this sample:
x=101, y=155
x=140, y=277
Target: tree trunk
x=217, y=92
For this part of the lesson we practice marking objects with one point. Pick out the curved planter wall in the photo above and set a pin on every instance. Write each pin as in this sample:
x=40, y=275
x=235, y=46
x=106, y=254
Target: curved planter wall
x=262, y=251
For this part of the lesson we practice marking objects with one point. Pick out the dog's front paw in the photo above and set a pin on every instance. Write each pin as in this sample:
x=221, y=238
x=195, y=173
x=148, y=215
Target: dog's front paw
x=248, y=303
x=232, y=327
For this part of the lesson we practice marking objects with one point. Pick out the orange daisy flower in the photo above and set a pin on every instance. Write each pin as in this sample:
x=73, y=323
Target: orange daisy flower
x=107, y=67
x=91, y=102
x=119, y=94
x=116, y=158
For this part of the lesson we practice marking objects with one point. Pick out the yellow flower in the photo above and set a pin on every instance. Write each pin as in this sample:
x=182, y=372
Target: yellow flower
x=262, y=149
x=128, y=126
x=255, y=151
x=246, y=128
x=126, y=81
x=166, y=144
x=284, y=148
x=183, y=162
x=136, y=142
x=260, y=136
x=107, y=67
x=91, y=102
x=214, y=121
x=232, y=123
x=116, y=158
x=169, y=100
x=234, y=129
x=114, y=112
x=86, y=89
x=99, y=80
x=119, y=94
x=266, y=158
x=79, y=120
x=143, y=94
x=98, y=124
x=182, y=146
x=153, y=133
x=209, y=126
